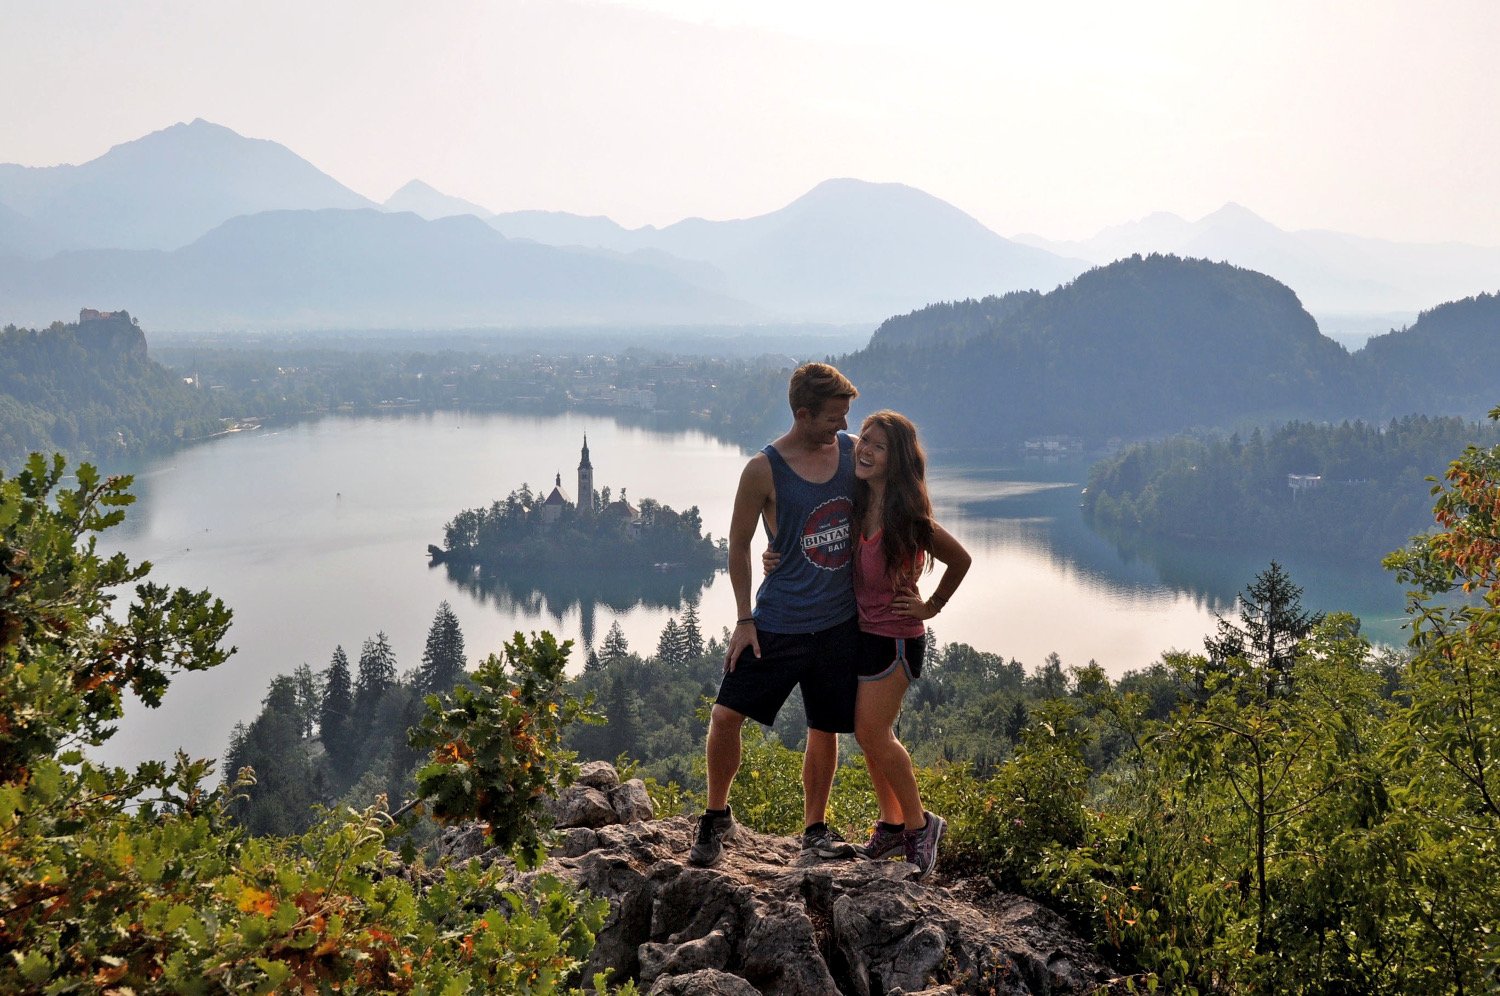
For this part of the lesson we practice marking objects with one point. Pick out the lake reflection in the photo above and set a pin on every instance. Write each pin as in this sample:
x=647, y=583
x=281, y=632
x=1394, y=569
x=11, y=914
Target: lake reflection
x=558, y=595
x=315, y=534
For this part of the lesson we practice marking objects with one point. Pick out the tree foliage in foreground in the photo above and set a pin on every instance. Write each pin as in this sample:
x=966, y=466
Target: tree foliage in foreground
x=1292, y=828
x=118, y=880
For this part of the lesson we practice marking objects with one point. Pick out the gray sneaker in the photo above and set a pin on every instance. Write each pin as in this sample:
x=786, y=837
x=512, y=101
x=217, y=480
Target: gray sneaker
x=922, y=845
x=708, y=845
x=883, y=843
x=826, y=843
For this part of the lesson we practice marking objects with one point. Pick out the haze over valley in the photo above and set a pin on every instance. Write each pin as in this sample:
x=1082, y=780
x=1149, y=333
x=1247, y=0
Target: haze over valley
x=195, y=227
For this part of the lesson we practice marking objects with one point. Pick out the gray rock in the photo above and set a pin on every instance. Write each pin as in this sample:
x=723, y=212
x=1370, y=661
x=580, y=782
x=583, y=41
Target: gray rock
x=704, y=982
x=783, y=955
x=581, y=806
x=856, y=927
x=467, y=842
x=712, y=950
x=461, y=842
x=598, y=774
x=631, y=802
x=576, y=842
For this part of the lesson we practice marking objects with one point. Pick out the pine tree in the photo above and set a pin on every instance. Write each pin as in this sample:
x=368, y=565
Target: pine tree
x=234, y=754
x=307, y=698
x=692, y=635
x=669, y=648
x=1273, y=625
x=1015, y=721
x=616, y=647
x=622, y=706
x=335, y=710
x=443, y=661
x=377, y=672
x=286, y=785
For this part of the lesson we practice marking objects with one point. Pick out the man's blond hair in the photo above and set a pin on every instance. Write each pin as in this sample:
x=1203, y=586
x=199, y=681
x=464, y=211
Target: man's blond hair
x=814, y=384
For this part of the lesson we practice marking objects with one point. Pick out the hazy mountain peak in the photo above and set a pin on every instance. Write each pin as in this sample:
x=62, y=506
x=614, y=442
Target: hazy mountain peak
x=413, y=187
x=1237, y=216
x=1159, y=230
x=164, y=189
x=426, y=200
x=853, y=194
x=198, y=135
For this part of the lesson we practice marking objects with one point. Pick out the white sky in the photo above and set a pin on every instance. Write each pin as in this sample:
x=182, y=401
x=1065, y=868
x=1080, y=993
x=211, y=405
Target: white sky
x=1060, y=118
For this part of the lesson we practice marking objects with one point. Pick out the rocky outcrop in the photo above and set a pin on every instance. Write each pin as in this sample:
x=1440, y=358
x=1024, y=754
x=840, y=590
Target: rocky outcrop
x=769, y=920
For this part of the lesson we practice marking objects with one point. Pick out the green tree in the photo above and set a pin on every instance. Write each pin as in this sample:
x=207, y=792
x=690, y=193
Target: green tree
x=496, y=746
x=1272, y=626
x=68, y=658
x=692, y=634
x=336, y=711
x=670, y=647
x=377, y=673
x=443, y=660
x=623, y=708
x=1450, y=728
x=308, y=698
x=616, y=647
x=286, y=783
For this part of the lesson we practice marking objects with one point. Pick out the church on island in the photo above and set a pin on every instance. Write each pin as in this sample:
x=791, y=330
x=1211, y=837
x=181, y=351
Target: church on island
x=552, y=506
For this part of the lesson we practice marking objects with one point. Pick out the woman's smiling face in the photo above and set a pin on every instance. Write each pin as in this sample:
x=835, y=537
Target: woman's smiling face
x=871, y=454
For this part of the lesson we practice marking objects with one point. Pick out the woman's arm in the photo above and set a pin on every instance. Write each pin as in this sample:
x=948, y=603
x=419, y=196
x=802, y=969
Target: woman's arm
x=955, y=560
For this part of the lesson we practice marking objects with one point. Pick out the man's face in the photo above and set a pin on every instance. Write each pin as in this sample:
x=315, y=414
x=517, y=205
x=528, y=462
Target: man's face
x=823, y=428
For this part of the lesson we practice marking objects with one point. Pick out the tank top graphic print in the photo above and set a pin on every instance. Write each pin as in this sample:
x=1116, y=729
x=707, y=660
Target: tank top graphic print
x=812, y=587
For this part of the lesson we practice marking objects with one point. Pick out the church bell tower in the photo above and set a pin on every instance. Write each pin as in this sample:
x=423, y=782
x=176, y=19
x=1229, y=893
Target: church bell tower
x=585, y=479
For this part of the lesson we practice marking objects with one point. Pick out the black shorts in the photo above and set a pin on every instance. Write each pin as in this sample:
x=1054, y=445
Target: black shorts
x=822, y=663
x=881, y=655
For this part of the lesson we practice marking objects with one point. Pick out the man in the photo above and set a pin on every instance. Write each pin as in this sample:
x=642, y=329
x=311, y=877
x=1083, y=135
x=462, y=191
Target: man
x=804, y=629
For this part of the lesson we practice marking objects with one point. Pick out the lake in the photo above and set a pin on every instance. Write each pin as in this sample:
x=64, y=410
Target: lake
x=315, y=535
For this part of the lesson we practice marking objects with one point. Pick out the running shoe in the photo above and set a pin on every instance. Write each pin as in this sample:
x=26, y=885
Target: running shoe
x=883, y=843
x=708, y=846
x=825, y=843
x=922, y=845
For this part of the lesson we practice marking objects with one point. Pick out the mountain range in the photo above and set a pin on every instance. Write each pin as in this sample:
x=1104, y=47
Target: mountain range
x=170, y=225
x=334, y=268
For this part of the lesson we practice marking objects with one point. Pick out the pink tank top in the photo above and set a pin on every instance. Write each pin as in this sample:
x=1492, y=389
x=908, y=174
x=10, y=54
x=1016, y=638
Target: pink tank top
x=873, y=591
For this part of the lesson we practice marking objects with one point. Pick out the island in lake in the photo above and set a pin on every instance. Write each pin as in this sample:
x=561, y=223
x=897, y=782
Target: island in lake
x=530, y=533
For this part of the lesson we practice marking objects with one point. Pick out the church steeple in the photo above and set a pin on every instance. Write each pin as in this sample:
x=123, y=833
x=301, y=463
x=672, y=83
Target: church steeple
x=585, y=479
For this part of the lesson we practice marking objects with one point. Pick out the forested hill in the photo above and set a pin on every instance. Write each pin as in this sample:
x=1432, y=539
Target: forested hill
x=1142, y=346
x=1444, y=364
x=1353, y=490
x=951, y=322
x=90, y=390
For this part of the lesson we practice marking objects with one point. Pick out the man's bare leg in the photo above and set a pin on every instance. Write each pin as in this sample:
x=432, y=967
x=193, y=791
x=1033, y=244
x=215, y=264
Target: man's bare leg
x=819, y=763
x=724, y=725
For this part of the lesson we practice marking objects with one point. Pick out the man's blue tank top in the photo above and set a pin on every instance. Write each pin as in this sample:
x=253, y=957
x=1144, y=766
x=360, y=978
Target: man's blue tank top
x=812, y=587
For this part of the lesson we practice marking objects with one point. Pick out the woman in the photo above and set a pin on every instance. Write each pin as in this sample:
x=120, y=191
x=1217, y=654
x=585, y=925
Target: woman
x=898, y=540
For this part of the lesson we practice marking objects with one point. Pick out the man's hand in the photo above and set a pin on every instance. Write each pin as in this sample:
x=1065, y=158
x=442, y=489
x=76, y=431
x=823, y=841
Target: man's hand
x=769, y=559
x=744, y=635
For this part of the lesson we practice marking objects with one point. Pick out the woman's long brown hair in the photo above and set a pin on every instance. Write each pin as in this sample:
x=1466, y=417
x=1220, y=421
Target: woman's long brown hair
x=906, y=515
